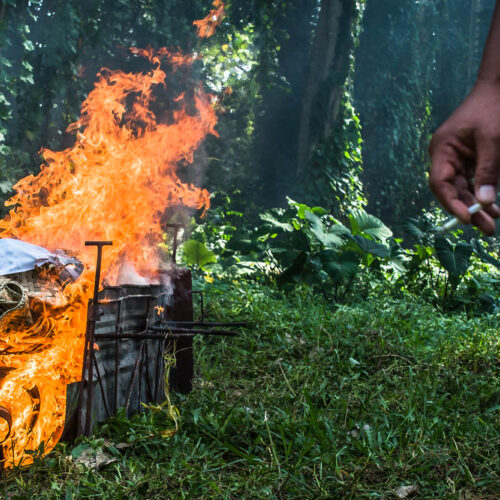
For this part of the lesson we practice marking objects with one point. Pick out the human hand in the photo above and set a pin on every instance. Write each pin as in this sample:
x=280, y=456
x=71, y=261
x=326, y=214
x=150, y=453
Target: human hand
x=465, y=153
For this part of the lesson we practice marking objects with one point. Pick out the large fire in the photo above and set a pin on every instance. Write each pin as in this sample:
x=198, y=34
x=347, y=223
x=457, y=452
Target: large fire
x=114, y=183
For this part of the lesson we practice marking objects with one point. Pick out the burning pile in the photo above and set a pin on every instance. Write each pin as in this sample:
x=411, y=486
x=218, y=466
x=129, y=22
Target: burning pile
x=114, y=183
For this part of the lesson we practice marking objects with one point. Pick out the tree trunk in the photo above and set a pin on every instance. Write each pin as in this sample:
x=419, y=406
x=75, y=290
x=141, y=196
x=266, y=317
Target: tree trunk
x=474, y=34
x=328, y=71
x=278, y=119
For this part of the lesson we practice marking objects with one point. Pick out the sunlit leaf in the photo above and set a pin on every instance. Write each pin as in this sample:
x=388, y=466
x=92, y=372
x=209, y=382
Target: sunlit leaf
x=197, y=254
x=271, y=219
x=362, y=222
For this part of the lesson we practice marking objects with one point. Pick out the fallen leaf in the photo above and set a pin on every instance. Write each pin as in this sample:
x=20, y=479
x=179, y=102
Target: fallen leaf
x=94, y=459
x=406, y=491
x=122, y=446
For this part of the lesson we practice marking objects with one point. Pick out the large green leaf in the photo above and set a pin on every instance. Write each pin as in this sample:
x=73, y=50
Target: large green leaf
x=294, y=270
x=285, y=256
x=398, y=258
x=334, y=238
x=371, y=247
x=455, y=260
x=197, y=254
x=419, y=229
x=272, y=219
x=339, y=266
x=361, y=222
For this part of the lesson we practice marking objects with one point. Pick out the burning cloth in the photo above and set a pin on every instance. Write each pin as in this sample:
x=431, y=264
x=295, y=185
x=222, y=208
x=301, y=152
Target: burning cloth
x=17, y=256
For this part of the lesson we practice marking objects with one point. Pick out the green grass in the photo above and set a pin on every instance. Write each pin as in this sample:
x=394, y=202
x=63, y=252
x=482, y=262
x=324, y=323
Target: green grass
x=312, y=401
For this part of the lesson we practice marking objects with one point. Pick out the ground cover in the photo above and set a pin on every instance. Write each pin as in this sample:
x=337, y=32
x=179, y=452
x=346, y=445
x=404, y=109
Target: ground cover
x=314, y=400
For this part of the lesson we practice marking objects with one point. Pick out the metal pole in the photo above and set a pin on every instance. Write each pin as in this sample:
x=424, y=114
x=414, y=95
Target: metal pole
x=91, y=332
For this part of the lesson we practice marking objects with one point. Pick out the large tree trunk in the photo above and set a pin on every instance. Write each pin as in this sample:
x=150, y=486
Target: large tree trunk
x=474, y=35
x=328, y=71
x=278, y=120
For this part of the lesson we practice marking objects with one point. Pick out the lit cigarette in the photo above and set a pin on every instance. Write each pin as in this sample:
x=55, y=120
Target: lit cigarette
x=453, y=223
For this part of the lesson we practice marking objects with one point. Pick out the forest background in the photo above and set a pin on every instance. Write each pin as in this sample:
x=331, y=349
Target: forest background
x=332, y=103
x=322, y=231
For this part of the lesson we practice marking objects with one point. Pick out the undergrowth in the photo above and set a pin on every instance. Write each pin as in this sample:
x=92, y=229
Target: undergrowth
x=313, y=400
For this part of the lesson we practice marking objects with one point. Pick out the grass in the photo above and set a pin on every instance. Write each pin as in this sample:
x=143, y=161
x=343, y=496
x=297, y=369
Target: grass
x=312, y=401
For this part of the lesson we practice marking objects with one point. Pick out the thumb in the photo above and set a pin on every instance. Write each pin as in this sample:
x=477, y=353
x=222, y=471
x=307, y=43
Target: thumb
x=487, y=171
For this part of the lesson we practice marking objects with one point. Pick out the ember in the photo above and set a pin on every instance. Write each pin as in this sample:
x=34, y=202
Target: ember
x=114, y=183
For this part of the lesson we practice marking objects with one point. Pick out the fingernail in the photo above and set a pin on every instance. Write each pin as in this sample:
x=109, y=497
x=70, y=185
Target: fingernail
x=486, y=195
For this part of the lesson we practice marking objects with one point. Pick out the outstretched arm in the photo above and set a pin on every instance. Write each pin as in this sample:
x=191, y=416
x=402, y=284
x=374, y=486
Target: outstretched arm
x=465, y=150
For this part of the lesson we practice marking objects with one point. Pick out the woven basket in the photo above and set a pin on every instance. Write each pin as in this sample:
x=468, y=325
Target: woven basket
x=14, y=309
x=23, y=329
x=35, y=285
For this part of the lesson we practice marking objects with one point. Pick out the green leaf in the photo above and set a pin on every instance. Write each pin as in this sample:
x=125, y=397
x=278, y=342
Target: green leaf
x=333, y=238
x=455, y=260
x=418, y=229
x=294, y=270
x=285, y=256
x=271, y=219
x=301, y=208
x=361, y=222
x=340, y=267
x=197, y=254
x=78, y=450
x=371, y=247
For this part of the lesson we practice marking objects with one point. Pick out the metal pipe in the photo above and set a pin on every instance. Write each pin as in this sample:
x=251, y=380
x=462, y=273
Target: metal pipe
x=134, y=374
x=205, y=324
x=167, y=335
x=91, y=332
x=128, y=297
x=80, y=427
x=197, y=331
x=117, y=356
x=99, y=379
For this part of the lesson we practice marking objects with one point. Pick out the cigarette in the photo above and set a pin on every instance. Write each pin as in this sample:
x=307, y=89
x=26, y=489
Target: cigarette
x=453, y=223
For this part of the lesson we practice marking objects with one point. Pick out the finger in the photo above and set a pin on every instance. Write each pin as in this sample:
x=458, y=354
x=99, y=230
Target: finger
x=484, y=219
x=493, y=210
x=484, y=222
x=446, y=167
x=487, y=170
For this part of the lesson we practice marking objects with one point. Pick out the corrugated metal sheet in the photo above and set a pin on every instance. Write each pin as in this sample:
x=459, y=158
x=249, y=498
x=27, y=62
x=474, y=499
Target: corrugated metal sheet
x=129, y=372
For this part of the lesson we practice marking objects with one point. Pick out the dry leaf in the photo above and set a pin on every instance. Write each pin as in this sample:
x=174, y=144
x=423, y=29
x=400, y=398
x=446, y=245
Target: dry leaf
x=406, y=491
x=122, y=446
x=94, y=459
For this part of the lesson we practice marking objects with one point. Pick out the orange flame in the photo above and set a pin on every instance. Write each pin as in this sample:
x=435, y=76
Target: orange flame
x=159, y=310
x=206, y=27
x=114, y=183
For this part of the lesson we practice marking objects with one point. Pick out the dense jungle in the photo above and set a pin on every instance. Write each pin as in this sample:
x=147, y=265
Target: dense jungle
x=371, y=364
